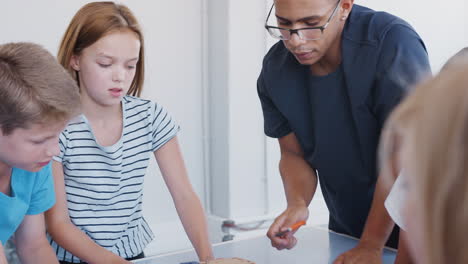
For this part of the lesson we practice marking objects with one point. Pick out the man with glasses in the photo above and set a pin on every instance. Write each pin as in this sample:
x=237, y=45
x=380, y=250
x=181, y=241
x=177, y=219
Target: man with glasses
x=326, y=89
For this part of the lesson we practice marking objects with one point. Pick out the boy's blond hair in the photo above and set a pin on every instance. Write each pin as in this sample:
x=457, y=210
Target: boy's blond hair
x=431, y=125
x=34, y=88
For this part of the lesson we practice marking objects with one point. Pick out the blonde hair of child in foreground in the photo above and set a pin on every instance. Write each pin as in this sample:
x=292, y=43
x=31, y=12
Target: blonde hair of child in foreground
x=428, y=136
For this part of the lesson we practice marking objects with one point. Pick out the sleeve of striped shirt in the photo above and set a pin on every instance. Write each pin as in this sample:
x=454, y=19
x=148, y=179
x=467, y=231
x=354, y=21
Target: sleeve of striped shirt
x=62, y=145
x=163, y=126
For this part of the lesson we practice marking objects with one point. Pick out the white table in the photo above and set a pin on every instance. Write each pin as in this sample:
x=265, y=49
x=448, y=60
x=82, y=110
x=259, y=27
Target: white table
x=315, y=246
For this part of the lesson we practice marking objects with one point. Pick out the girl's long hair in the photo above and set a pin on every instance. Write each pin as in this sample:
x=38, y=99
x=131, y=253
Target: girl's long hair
x=431, y=125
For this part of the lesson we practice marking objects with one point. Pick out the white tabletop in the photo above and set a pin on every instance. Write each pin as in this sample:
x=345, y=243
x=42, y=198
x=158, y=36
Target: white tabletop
x=314, y=245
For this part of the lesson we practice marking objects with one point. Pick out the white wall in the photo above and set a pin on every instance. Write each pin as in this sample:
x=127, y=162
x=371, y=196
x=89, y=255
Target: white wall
x=237, y=161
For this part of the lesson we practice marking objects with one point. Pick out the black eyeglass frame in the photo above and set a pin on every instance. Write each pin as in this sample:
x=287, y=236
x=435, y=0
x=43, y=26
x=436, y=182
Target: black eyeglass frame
x=296, y=31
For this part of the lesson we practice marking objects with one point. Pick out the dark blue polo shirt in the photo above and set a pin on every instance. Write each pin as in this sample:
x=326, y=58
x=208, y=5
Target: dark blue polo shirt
x=338, y=118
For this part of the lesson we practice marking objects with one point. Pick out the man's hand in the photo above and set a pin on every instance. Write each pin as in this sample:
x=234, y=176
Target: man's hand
x=289, y=217
x=363, y=253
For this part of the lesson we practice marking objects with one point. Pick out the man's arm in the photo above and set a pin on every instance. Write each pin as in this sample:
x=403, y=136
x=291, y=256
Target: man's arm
x=31, y=242
x=379, y=224
x=403, y=255
x=378, y=227
x=300, y=183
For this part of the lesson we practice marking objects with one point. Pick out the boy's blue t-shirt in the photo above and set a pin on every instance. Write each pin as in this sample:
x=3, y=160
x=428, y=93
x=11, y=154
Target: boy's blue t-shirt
x=31, y=193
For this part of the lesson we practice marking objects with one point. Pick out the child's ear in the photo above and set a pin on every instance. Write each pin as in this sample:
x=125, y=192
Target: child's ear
x=75, y=62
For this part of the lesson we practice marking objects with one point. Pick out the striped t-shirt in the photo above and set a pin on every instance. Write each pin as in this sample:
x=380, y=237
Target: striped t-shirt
x=104, y=184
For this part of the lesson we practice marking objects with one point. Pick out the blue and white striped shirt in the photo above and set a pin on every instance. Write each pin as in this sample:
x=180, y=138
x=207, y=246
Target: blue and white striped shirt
x=104, y=184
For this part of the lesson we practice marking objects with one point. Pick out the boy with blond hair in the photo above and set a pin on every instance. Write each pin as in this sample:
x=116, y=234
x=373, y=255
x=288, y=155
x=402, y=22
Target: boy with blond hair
x=37, y=98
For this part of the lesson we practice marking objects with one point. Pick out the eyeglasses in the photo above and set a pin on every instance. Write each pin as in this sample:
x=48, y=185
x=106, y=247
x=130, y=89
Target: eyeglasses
x=307, y=33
